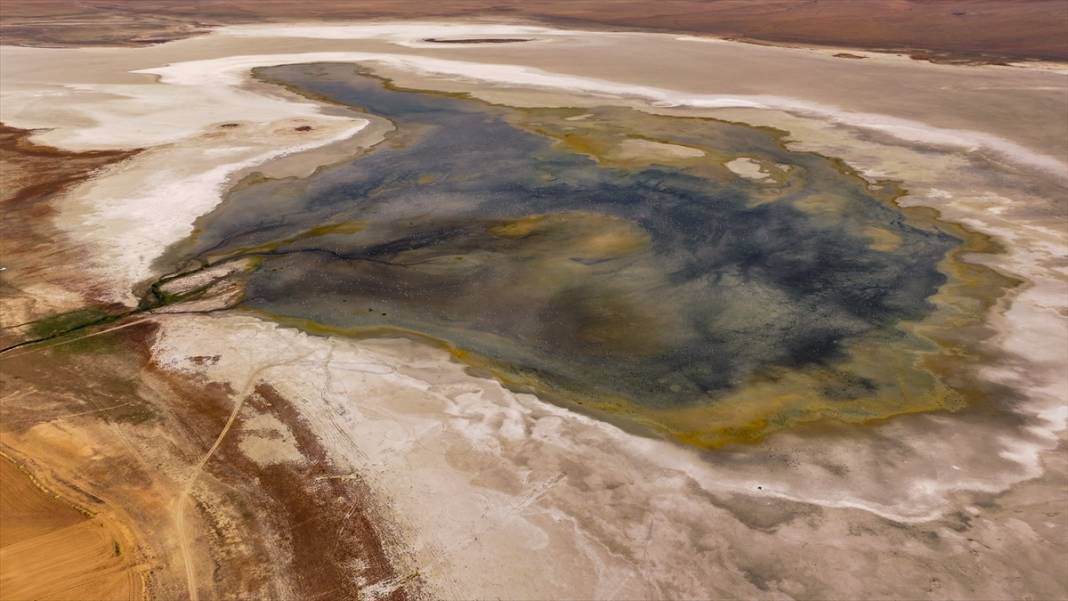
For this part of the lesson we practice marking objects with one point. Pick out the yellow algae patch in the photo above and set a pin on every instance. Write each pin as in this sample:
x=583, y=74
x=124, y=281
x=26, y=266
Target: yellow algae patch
x=51, y=550
x=584, y=145
x=608, y=328
x=640, y=148
x=577, y=234
x=518, y=228
x=348, y=227
x=817, y=204
x=782, y=398
x=882, y=239
x=900, y=379
x=611, y=244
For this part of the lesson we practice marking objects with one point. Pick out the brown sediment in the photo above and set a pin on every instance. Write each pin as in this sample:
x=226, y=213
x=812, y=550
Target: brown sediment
x=305, y=528
x=326, y=515
x=848, y=55
x=106, y=421
x=32, y=251
x=969, y=31
x=29, y=510
x=65, y=415
x=95, y=394
x=32, y=172
x=50, y=545
x=948, y=58
x=51, y=548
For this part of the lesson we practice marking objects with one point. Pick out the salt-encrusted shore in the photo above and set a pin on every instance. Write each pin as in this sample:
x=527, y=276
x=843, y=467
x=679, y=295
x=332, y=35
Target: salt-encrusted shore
x=491, y=488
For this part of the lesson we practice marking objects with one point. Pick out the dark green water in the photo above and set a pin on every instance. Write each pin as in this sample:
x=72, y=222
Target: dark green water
x=657, y=284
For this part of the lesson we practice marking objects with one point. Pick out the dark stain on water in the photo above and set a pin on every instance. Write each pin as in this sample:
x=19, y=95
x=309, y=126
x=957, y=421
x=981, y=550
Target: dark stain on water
x=655, y=283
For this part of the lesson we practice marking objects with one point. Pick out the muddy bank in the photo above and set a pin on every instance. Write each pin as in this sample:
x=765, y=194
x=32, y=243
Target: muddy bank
x=489, y=489
x=40, y=276
x=971, y=31
x=98, y=416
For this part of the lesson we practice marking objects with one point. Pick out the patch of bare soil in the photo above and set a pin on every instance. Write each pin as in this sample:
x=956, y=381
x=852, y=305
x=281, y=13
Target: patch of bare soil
x=123, y=436
x=31, y=173
x=110, y=440
x=980, y=31
x=33, y=254
x=50, y=549
x=326, y=516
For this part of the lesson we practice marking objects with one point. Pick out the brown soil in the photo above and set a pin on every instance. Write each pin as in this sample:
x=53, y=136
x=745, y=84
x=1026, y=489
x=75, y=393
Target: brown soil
x=30, y=172
x=28, y=511
x=51, y=550
x=957, y=30
x=32, y=251
x=326, y=515
x=101, y=426
x=122, y=434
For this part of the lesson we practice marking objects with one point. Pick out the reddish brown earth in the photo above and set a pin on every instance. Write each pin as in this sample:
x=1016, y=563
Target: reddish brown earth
x=325, y=513
x=32, y=251
x=32, y=172
x=944, y=30
x=102, y=424
x=97, y=422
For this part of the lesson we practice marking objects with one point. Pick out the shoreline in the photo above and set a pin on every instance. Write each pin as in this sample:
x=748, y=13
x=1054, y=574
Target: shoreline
x=465, y=63
x=967, y=279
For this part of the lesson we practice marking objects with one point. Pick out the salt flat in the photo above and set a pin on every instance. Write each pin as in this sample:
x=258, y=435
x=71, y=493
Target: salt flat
x=482, y=489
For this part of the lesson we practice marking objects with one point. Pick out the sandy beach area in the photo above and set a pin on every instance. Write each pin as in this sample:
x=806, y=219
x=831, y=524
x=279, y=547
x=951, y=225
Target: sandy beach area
x=479, y=491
